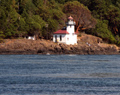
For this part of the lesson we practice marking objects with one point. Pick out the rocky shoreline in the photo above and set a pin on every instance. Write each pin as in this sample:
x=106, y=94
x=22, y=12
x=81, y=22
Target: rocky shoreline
x=87, y=44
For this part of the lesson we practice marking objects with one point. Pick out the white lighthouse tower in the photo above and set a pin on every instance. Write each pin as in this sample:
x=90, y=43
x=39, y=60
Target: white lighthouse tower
x=70, y=25
x=66, y=35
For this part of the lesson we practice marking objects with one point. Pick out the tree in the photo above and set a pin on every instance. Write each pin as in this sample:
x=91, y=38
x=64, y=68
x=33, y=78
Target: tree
x=2, y=35
x=11, y=22
x=3, y=18
x=21, y=31
x=60, y=1
x=38, y=3
x=101, y=30
x=113, y=16
x=81, y=15
x=8, y=22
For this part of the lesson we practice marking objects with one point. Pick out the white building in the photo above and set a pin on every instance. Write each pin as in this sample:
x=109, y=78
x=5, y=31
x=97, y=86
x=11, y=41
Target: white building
x=66, y=35
x=31, y=37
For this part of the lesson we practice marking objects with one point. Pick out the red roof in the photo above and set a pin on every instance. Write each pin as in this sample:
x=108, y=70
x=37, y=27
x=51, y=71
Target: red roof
x=70, y=18
x=61, y=32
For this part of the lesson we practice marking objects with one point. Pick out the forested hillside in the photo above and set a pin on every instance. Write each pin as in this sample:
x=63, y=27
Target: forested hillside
x=19, y=18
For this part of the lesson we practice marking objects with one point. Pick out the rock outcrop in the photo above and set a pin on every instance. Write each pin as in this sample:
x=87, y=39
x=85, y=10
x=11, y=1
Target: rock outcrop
x=87, y=44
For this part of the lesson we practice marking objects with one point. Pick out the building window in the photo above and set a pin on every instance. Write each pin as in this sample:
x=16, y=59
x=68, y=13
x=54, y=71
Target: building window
x=60, y=38
x=55, y=38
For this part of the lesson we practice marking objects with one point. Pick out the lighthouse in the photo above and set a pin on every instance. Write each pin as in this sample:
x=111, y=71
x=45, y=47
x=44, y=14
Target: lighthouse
x=66, y=35
x=70, y=25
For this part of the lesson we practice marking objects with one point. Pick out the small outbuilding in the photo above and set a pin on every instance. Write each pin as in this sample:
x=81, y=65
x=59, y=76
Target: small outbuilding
x=66, y=35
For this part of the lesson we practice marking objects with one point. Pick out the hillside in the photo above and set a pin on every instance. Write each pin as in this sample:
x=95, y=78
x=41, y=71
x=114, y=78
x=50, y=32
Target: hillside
x=21, y=18
x=87, y=44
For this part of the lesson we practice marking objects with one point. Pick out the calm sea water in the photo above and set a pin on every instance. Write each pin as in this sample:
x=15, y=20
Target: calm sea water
x=59, y=74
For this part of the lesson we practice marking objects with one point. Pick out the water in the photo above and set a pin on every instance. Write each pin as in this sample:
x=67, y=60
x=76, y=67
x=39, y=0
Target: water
x=59, y=74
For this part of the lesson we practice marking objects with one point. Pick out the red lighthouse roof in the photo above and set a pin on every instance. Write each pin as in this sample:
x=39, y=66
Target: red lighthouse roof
x=61, y=32
x=70, y=18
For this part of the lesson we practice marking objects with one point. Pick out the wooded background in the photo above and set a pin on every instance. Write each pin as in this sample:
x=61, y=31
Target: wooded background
x=20, y=18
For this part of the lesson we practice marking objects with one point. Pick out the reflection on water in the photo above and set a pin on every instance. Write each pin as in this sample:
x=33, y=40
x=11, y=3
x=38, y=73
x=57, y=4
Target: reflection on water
x=59, y=74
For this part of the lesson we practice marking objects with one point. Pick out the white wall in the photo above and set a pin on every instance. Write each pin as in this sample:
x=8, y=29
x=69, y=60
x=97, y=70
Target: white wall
x=71, y=39
x=58, y=38
x=66, y=38
x=70, y=29
x=70, y=26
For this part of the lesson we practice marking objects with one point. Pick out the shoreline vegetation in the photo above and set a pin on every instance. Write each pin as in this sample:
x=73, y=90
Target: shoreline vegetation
x=87, y=44
x=41, y=18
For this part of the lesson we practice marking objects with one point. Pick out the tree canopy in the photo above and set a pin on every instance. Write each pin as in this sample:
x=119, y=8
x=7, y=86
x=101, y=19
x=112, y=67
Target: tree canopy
x=81, y=15
x=20, y=18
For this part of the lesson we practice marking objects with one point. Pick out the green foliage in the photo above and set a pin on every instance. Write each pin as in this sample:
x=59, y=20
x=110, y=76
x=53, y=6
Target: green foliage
x=35, y=24
x=102, y=31
x=60, y=1
x=117, y=37
x=38, y=3
x=109, y=11
x=29, y=17
x=2, y=34
x=113, y=16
